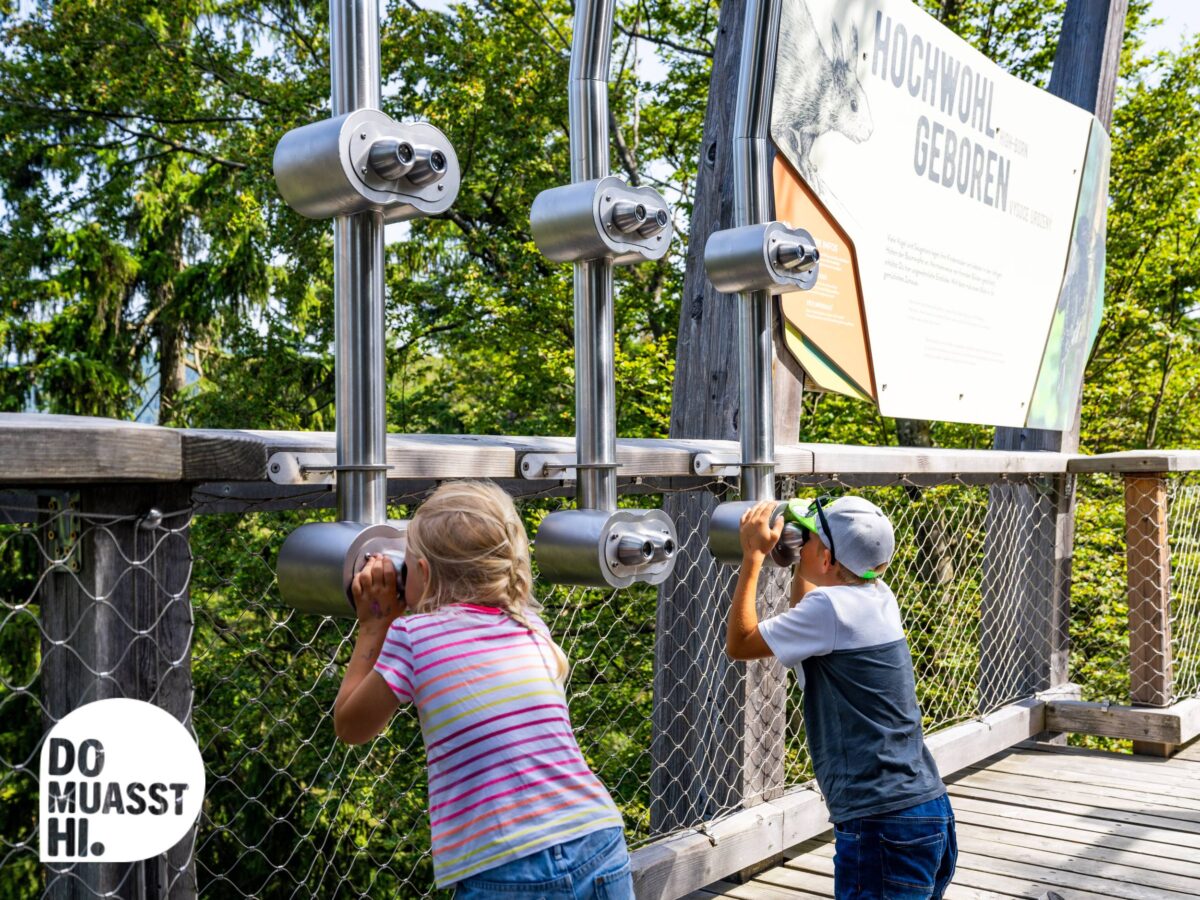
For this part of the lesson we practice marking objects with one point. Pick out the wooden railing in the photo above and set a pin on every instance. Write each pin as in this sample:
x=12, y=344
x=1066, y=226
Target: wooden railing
x=101, y=498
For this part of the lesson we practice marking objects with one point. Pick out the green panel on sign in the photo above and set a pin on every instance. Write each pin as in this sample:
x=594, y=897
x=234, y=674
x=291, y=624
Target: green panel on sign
x=1080, y=301
x=820, y=367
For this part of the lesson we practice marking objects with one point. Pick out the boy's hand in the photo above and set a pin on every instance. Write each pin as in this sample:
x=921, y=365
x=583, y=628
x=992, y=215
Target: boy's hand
x=375, y=598
x=758, y=532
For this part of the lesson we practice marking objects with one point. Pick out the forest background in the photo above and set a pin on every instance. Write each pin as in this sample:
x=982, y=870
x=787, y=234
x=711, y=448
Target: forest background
x=149, y=270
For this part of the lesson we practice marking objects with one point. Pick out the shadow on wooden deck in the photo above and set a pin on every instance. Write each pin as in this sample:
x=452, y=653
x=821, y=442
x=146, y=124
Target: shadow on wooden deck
x=1039, y=819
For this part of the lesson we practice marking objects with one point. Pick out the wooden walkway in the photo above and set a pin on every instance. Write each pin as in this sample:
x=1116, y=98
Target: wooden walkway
x=1043, y=819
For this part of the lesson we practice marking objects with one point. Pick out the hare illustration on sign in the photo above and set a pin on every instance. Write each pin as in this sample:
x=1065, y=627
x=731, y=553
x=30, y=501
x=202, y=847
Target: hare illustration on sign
x=815, y=92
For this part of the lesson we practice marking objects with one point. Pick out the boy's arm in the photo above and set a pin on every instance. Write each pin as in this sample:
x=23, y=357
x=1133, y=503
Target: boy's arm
x=743, y=640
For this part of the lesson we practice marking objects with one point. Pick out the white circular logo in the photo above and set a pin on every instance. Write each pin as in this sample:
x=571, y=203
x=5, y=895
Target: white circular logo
x=121, y=781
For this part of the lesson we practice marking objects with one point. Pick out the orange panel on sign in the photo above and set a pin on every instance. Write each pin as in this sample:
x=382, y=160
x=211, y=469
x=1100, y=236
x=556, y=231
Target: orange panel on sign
x=824, y=327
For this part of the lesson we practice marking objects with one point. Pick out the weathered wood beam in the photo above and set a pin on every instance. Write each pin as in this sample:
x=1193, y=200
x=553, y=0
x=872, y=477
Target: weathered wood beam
x=1137, y=461
x=75, y=449
x=1148, y=579
x=1173, y=725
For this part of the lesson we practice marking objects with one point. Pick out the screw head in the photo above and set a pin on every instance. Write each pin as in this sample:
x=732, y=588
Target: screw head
x=275, y=467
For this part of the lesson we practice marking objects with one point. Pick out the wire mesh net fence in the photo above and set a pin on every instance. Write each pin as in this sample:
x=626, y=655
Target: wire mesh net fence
x=1183, y=529
x=679, y=734
x=1135, y=593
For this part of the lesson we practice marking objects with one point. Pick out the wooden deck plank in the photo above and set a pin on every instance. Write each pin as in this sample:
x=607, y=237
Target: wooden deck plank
x=1128, y=853
x=756, y=890
x=1147, y=767
x=1111, y=798
x=1143, y=763
x=998, y=807
x=1049, y=769
x=974, y=883
x=1035, y=819
x=1134, y=881
x=1152, y=854
x=1182, y=828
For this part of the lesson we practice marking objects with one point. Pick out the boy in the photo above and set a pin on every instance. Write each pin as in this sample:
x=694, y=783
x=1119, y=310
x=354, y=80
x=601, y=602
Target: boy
x=893, y=826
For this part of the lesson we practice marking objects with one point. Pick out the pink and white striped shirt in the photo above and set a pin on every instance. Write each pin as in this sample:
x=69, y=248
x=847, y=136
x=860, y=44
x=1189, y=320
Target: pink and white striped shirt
x=506, y=777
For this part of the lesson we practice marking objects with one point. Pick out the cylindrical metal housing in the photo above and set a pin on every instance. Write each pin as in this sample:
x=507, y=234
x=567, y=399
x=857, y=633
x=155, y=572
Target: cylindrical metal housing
x=796, y=256
x=318, y=561
x=584, y=546
x=656, y=220
x=635, y=550
x=724, y=532
x=628, y=216
x=333, y=168
x=739, y=260
x=429, y=166
x=600, y=219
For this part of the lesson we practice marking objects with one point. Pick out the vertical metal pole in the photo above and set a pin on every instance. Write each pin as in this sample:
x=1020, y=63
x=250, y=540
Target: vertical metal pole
x=358, y=284
x=595, y=400
x=752, y=155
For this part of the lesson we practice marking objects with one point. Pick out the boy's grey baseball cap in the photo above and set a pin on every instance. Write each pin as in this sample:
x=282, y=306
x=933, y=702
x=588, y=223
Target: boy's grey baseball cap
x=863, y=539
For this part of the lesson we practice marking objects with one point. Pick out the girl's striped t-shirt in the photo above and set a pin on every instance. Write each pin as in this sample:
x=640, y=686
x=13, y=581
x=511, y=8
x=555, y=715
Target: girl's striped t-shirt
x=506, y=777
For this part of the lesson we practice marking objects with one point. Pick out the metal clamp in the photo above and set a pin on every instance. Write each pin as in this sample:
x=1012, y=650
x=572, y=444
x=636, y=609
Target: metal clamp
x=555, y=466
x=724, y=465
x=286, y=467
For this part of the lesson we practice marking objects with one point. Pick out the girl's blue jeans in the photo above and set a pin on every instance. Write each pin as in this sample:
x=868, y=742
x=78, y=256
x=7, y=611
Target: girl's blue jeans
x=593, y=867
x=908, y=854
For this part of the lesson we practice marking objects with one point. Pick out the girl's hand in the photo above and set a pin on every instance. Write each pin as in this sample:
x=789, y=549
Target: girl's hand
x=375, y=598
x=758, y=533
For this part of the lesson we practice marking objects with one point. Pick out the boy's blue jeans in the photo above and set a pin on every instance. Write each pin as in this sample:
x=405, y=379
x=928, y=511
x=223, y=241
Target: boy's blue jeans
x=593, y=867
x=908, y=854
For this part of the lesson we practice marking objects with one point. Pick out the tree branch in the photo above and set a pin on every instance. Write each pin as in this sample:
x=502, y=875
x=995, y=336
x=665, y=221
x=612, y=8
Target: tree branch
x=664, y=42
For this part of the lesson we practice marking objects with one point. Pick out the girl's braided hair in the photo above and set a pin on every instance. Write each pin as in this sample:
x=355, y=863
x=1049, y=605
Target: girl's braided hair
x=471, y=536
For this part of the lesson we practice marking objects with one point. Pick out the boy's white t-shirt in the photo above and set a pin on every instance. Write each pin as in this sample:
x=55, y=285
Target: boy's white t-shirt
x=841, y=617
x=847, y=648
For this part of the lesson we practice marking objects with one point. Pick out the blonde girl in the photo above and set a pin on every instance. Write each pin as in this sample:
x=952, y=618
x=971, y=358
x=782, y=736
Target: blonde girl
x=513, y=808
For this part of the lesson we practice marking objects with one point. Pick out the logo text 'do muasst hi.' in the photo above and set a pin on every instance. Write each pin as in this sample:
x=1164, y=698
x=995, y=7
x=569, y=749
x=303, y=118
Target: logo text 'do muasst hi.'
x=121, y=781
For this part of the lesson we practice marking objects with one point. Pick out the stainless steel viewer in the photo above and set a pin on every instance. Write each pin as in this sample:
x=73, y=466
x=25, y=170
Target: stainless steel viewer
x=606, y=549
x=318, y=561
x=774, y=256
x=595, y=222
x=724, y=538
x=601, y=219
x=362, y=161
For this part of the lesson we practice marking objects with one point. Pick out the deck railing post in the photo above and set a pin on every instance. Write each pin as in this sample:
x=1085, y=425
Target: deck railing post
x=1148, y=568
x=116, y=621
